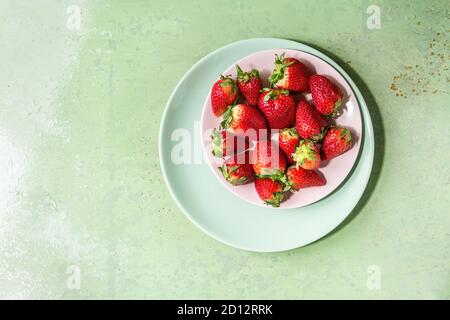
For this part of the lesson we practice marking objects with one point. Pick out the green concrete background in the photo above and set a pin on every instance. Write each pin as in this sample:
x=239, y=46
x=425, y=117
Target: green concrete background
x=80, y=180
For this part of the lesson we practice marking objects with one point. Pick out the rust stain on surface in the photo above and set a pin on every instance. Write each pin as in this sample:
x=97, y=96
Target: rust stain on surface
x=420, y=79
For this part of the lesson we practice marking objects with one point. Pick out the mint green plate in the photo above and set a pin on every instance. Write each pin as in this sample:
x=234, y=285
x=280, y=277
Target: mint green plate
x=218, y=212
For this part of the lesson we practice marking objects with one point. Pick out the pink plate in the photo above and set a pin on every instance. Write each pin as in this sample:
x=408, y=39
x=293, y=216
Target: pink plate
x=334, y=170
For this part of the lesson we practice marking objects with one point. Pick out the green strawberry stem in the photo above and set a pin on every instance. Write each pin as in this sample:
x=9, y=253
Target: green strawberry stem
x=303, y=153
x=319, y=137
x=345, y=133
x=228, y=81
x=336, y=109
x=216, y=139
x=245, y=77
x=278, y=72
x=227, y=118
x=280, y=177
x=275, y=200
x=272, y=95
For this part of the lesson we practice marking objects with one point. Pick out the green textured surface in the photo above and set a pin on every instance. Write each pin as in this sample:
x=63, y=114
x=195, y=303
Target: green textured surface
x=80, y=181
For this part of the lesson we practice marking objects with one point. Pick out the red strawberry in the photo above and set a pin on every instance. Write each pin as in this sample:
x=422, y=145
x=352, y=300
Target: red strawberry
x=270, y=191
x=225, y=143
x=310, y=124
x=299, y=178
x=249, y=84
x=237, y=170
x=244, y=120
x=268, y=160
x=336, y=142
x=289, y=74
x=223, y=93
x=288, y=140
x=326, y=96
x=278, y=107
x=307, y=155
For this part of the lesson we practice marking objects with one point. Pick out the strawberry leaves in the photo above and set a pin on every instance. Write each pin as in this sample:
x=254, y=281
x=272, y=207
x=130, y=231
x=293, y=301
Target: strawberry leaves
x=228, y=82
x=227, y=118
x=235, y=180
x=280, y=67
x=272, y=94
x=245, y=77
x=217, y=141
x=303, y=152
x=275, y=200
x=280, y=177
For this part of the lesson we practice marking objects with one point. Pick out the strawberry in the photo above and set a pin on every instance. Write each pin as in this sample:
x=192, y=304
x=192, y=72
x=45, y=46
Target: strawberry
x=244, y=120
x=270, y=191
x=310, y=124
x=299, y=178
x=225, y=143
x=326, y=96
x=267, y=160
x=336, y=142
x=288, y=140
x=237, y=170
x=249, y=84
x=307, y=155
x=278, y=107
x=289, y=74
x=223, y=93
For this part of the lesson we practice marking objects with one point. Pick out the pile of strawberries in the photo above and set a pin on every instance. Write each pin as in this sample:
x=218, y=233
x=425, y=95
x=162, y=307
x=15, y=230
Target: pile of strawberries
x=306, y=132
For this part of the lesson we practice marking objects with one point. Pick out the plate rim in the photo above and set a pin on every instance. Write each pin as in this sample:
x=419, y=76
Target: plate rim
x=366, y=120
